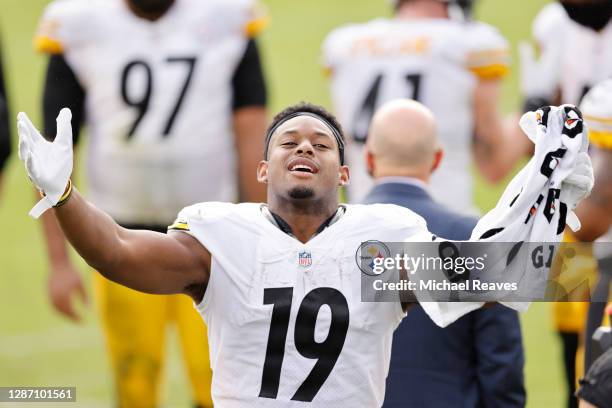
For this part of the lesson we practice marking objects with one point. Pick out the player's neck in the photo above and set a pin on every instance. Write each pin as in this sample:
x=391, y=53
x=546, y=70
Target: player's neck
x=148, y=15
x=304, y=217
x=422, y=9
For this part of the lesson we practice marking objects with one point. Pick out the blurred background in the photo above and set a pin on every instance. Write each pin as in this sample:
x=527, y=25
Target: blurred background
x=40, y=348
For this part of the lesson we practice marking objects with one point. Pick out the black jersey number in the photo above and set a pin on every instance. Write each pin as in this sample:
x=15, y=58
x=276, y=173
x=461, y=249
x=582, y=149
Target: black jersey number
x=326, y=353
x=142, y=103
x=370, y=103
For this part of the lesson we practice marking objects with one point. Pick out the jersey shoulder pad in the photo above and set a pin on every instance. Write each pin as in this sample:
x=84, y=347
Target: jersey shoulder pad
x=208, y=211
x=68, y=23
x=550, y=22
x=337, y=45
x=256, y=17
x=488, y=54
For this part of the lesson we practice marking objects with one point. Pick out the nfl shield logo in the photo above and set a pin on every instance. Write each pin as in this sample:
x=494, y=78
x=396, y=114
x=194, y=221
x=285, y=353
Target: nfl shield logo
x=305, y=259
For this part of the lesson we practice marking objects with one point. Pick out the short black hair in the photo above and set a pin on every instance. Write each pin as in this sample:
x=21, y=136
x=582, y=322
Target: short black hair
x=310, y=108
x=306, y=107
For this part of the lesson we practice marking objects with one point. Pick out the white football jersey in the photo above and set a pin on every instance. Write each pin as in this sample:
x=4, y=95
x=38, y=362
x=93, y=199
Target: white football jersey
x=586, y=55
x=586, y=62
x=435, y=61
x=286, y=324
x=158, y=100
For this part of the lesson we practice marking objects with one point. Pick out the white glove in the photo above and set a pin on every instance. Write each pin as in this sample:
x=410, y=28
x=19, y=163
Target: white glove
x=48, y=164
x=578, y=185
x=539, y=79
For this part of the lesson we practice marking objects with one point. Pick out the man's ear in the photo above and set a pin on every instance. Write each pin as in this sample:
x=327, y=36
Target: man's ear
x=262, y=172
x=438, y=156
x=369, y=160
x=343, y=176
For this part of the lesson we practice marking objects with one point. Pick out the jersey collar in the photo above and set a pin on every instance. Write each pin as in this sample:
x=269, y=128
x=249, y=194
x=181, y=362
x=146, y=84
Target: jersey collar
x=281, y=224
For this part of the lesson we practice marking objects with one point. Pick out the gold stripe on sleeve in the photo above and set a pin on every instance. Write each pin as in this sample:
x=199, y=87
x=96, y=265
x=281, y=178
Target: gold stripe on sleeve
x=179, y=226
x=495, y=71
x=254, y=27
x=47, y=45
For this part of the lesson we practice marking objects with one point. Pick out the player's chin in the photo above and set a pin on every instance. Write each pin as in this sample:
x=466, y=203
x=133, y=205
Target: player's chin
x=301, y=192
x=302, y=180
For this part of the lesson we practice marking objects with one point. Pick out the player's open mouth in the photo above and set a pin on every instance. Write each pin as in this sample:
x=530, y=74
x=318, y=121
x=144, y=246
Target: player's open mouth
x=302, y=166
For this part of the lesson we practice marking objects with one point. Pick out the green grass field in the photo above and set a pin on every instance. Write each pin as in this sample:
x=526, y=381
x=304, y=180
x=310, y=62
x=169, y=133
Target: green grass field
x=39, y=348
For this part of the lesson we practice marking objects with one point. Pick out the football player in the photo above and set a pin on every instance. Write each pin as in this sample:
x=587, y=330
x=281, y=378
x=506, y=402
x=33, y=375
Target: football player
x=173, y=96
x=277, y=283
x=575, y=42
x=453, y=66
x=5, y=135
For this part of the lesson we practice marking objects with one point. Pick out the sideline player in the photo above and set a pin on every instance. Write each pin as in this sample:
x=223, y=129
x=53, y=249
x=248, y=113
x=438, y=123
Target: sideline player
x=173, y=96
x=453, y=67
x=575, y=42
x=595, y=212
x=262, y=274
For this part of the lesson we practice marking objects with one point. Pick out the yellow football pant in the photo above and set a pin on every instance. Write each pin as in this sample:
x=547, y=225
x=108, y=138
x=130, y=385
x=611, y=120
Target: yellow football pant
x=135, y=325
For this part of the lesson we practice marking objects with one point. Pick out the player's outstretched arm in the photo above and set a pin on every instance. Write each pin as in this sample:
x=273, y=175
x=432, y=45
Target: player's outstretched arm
x=142, y=260
x=146, y=261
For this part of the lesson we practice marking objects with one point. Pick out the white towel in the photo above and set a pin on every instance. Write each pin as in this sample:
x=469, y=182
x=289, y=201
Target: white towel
x=538, y=201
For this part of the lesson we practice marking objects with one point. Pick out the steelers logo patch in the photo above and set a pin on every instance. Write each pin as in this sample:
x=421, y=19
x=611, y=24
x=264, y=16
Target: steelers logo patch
x=366, y=255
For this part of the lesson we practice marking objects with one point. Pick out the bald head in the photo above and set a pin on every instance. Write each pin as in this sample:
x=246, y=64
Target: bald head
x=402, y=140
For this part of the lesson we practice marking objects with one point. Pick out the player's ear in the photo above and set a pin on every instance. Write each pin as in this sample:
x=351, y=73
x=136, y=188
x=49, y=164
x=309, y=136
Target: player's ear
x=262, y=172
x=343, y=176
x=438, y=156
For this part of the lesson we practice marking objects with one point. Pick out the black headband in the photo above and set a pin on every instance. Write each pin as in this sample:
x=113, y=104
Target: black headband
x=335, y=131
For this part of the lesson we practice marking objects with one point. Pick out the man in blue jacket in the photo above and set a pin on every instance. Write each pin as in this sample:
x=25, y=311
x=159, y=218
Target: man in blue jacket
x=476, y=361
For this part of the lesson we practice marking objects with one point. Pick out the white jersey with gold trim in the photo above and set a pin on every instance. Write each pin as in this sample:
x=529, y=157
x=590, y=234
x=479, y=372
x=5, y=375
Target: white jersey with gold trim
x=158, y=100
x=435, y=61
x=586, y=55
x=286, y=324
